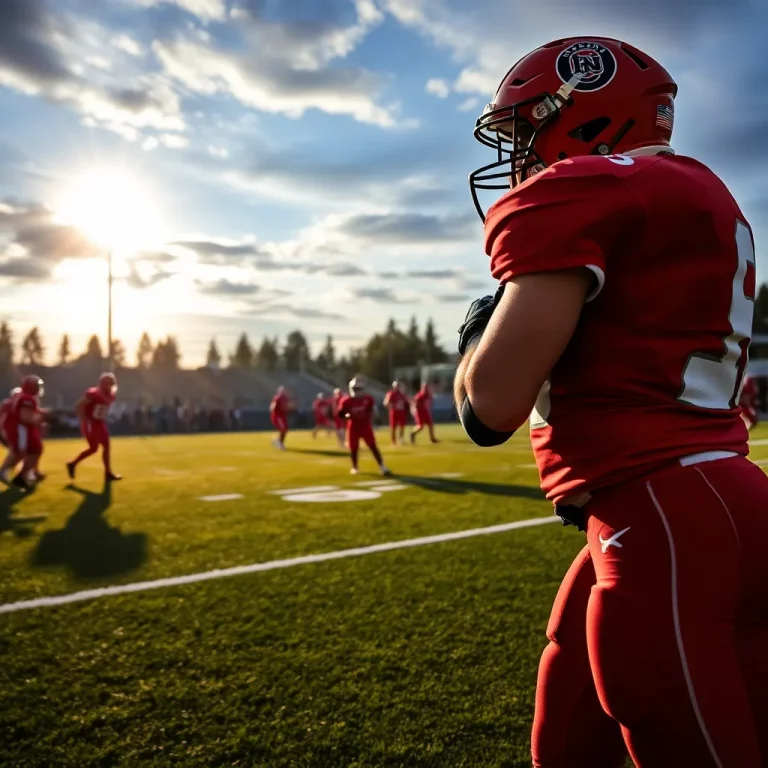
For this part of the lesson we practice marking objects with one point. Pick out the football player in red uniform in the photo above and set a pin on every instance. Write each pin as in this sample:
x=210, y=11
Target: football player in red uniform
x=358, y=408
x=321, y=408
x=603, y=244
x=396, y=402
x=279, y=408
x=92, y=411
x=23, y=427
x=422, y=412
x=10, y=460
x=338, y=420
x=749, y=402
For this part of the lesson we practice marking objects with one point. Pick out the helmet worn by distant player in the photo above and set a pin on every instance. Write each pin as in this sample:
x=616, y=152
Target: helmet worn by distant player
x=356, y=386
x=337, y=391
x=15, y=391
x=395, y=384
x=320, y=395
x=571, y=97
x=108, y=383
x=32, y=385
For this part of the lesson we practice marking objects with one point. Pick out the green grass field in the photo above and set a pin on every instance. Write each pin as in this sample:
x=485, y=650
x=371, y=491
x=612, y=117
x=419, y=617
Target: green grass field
x=420, y=656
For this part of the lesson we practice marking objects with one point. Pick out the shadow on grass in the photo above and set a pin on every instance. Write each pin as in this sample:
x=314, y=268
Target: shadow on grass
x=88, y=545
x=339, y=453
x=19, y=526
x=444, y=485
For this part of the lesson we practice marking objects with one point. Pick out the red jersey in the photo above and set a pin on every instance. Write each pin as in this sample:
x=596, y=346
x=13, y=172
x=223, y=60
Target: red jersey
x=18, y=404
x=280, y=405
x=97, y=405
x=335, y=402
x=653, y=370
x=396, y=400
x=358, y=409
x=423, y=400
x=321, y=406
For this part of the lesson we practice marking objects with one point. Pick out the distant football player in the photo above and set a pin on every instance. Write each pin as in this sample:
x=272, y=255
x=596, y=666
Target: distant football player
x=23, y=426
x=396, y=402
x=321, y=409
x=11, y=459
x=358, y=408
x=338, y=421
x=749, y=402
x=92, y=411
x=422, y=412
x=621, y=324
x=279, y=409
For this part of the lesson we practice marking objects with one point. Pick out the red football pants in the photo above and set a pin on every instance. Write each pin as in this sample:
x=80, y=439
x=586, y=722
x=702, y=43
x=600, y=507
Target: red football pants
x=659, y=633
x=423, y=417
x=96, y=433
x=398, y=418
x=355, y=434
x=279, y=422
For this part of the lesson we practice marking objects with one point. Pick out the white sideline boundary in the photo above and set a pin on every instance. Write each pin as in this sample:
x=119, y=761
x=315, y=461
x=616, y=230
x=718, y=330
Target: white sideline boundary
x=272, y=565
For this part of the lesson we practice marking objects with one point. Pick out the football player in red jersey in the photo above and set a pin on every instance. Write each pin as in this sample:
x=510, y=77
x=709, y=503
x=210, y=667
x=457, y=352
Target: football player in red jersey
x=321, y=408
x=10, y=460
x=396, y=402
x=422, y=412
x=24, y=429
x=358, y=408
x=749, y=402
x=338, y=420
x=93, y=410
x=279, y=408
x=603, y=244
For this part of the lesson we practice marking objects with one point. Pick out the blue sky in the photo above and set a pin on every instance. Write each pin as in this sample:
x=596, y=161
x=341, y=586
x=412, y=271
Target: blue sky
x=305, y=161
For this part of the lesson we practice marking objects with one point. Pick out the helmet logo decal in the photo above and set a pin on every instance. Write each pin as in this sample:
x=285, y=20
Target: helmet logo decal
x=591, y=65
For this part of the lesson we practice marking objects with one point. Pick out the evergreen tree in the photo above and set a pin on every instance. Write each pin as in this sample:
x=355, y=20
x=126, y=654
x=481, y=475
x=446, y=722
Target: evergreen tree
x=243, y=356
x=166, y=355
x=213, y=358
x=117, y=353
x=32, y=350
x=296, y=351
x=93, y=351
x=145, y=352
x=327, y=356
x=6, y=348
x=64, y=350
x=268, y=355
x=433, y=351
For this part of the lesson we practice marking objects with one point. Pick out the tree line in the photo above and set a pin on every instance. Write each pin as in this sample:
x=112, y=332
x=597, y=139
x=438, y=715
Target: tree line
x=392, y=348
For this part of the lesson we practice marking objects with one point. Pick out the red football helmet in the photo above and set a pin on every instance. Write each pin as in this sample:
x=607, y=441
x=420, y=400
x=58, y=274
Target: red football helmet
x=577, y=96
x=32, y=385
x=15, y=391
x=108, y=383
x=356, y=386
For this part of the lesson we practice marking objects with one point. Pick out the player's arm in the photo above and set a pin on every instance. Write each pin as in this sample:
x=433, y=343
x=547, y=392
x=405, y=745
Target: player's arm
x=502, y=373
x=387, y=399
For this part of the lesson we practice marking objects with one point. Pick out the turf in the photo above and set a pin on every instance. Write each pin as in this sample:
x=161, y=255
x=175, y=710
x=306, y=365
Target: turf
x=417, y=657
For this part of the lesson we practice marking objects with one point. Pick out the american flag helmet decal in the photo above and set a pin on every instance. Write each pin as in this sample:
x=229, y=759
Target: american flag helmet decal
x=665, y=116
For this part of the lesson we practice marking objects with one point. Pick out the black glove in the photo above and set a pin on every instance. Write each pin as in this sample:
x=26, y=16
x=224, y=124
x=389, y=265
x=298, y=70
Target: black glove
x=478, y=316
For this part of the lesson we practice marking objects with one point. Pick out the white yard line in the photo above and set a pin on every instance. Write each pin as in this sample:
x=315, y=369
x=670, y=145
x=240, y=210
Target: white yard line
x=241, y=570
x=222, y=497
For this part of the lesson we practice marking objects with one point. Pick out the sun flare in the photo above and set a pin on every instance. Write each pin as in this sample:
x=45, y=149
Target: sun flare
x=113, y=208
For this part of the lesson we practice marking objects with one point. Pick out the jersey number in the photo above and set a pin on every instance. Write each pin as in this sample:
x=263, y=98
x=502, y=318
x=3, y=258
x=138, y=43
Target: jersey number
x=100, y=412
x=713, y=382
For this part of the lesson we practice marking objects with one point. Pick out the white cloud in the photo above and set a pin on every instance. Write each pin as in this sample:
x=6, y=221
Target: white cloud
x=215, y=151
x=469, y=104
x=437, y=87
x=208, y=10
x=289, y=67
x=174, y=141
x=127, y=44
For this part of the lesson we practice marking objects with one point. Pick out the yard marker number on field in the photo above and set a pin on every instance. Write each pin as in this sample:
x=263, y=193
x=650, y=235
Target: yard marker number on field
x=240, y=570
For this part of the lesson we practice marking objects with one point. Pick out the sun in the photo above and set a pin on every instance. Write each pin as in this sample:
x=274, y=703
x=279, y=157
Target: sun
x=113, y=208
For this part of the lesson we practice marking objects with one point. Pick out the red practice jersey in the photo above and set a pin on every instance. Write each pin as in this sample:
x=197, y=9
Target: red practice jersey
x=653, y=370
x=747, y=400
x=280, y=405
x=97, y=405
x=358, y=409
x=423, y=400
x=321, y=406
x=336, y=401
x=18, y=404
x=396, y=400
